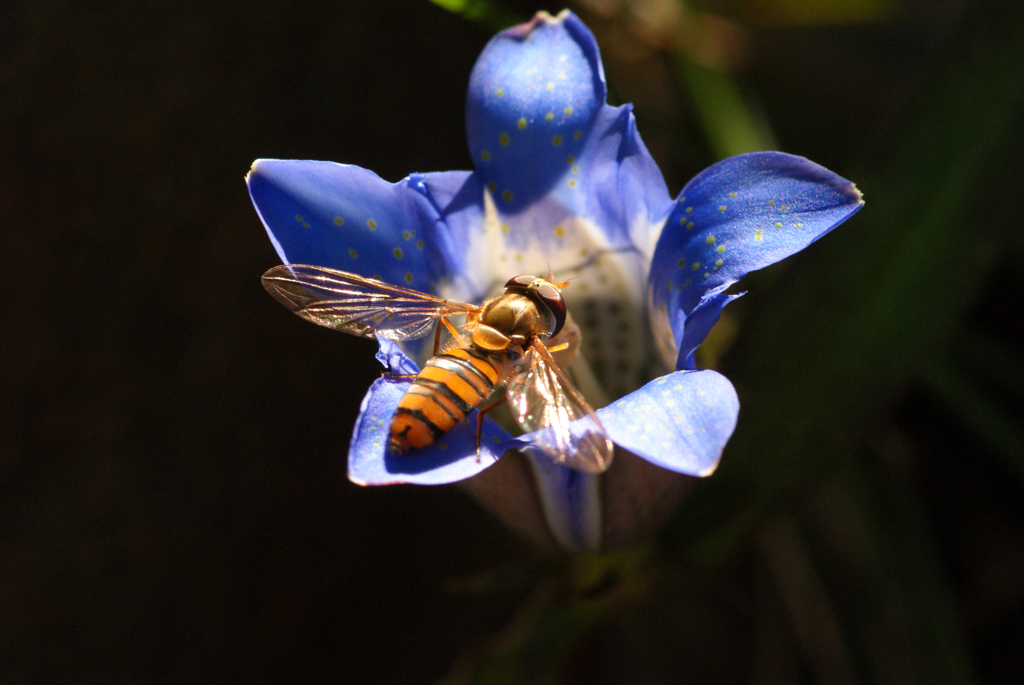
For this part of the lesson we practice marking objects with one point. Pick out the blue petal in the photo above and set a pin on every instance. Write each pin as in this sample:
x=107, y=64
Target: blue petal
x=679, y=422
x=452, y=458
x=737, y=216
x=571, y=501
x=616, y=184
x=394, y=358
x=533, y=97
x=347, y=218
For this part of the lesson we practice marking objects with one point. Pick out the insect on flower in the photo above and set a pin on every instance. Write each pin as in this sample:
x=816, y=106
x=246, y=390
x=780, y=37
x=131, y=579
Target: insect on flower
x=502, y=351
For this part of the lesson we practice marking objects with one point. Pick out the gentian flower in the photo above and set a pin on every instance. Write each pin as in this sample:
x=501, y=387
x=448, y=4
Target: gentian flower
x=563, y=185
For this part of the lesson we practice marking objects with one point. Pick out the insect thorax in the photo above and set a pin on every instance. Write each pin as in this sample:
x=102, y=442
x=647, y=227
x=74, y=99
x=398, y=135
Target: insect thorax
x=513, y=317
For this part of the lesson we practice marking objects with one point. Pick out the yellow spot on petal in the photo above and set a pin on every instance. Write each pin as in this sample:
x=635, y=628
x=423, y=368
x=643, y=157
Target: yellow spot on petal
x=681, y=263
x=783, y=207
x=568, y=111
x=577, y=134
x=503, y=138
x=557, y=140
x=398, y=253
x=721, y=248
x=352, y=254
x=670, y=286
x=298, y=217
x=550, y=86
x=778, y=224
x=492, y=186
x=706, y=274
x=686, y=283
x=689, y=226
x=408, y=277
x=575, y=169
x=559, y=232
x=406, y=234
x=718, y=262
x=799, y=225
x=572, y=183
x=485, y=155
x=771, y=202
x=710, y=240
x=338, y=221
x=521, y=123
x=689, y=210
x=732, y=194
x=305, y=224
x=507, y=196
x=549, y=116
x=570, y=160
x=505, y=228
x=721, y=208
x=500, y=92
x=419, y=244
x=696, y=265
x=371, y=224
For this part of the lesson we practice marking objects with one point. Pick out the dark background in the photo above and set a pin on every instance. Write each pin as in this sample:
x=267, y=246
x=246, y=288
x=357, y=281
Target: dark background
x=173, y=499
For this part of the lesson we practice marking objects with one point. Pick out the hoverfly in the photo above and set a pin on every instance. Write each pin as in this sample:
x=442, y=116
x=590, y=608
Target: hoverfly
x=501, y=346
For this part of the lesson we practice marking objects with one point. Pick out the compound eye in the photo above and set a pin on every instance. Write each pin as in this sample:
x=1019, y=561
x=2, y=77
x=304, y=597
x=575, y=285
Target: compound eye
x=520, y=281
x=552, y=298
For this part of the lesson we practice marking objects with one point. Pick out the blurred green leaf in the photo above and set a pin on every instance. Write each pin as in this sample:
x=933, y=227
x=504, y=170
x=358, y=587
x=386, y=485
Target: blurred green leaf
x=979, y=412
x=731, y=126
x=481, y=11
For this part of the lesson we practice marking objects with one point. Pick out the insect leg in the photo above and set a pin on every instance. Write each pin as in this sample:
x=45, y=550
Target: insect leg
x=437, y=333
x=480, y=421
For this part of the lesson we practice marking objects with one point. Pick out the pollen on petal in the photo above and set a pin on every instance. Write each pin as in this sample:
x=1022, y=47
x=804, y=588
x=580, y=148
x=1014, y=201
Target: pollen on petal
x=710, y=240
x=549, y=116
x=353, y=254
x=398, y=253
x=503, y=138
x=408, y=277
x=559, y=231
x=507, y=196
x=557, y=140
x=338, y=221
x=485, y=155
x=371, y=224
x=521, y=123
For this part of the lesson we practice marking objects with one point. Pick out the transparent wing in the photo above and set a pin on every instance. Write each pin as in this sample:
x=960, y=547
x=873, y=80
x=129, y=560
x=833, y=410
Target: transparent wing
x=357, y=305
x=543, y=399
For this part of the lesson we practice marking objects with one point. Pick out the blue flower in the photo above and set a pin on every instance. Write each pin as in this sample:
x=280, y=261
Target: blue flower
x=563, y=184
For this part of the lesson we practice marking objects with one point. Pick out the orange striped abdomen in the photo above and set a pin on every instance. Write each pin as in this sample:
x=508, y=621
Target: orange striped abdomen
x=449, y=387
